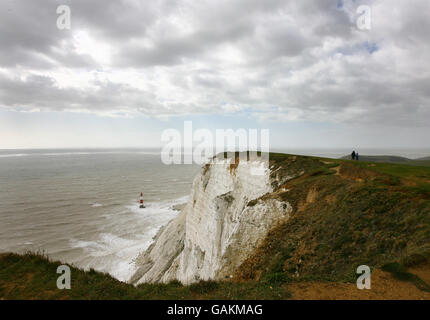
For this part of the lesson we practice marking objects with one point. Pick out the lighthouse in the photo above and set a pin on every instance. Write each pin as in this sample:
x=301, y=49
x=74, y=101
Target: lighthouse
x=141, y=201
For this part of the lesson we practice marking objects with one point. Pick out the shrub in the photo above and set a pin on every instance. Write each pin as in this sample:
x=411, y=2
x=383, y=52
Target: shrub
x=175, y=284
x=203, y=286
x=414, y=260
x=276, y=278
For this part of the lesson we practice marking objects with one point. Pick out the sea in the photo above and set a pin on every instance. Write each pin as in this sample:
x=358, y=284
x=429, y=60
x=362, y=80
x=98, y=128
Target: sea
x=81, y=206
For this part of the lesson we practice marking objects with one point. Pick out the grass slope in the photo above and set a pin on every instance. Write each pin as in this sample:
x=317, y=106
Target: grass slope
x=394, y=159
x=33, y=276
x=345, y=214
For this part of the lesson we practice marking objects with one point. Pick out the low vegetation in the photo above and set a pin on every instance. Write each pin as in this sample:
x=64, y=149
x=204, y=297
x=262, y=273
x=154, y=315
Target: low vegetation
x=33, y=276
x=345, y=214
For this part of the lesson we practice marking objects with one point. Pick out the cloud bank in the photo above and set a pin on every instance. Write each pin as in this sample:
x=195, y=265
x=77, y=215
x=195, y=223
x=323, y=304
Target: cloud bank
x=274, y=60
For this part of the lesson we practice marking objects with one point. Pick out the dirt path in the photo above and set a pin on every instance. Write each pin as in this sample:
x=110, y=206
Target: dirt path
x=383, y=286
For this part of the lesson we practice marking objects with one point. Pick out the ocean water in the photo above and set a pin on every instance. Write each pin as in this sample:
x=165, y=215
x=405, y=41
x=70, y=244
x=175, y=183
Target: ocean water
x=81, y=206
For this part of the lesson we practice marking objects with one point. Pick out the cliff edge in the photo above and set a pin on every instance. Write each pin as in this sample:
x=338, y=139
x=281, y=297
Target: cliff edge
x=300, y=218
x=218, y=228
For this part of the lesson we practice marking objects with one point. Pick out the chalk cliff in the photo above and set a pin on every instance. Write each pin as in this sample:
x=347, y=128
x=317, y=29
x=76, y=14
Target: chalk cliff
x=226, y=218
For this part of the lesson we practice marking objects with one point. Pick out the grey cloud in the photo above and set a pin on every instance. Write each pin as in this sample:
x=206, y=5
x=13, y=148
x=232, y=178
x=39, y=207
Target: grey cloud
x=29, y=37
x=302, y=59
x=43, y=92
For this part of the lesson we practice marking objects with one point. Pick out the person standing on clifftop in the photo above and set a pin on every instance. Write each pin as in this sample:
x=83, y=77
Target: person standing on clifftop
x=353, y=155
x=356, y=156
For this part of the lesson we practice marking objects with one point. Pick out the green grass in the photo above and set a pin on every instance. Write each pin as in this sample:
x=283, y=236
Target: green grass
x=398, y=170
x=33, y=276
x=418, y=176
x=372, y=214
x=392, y=160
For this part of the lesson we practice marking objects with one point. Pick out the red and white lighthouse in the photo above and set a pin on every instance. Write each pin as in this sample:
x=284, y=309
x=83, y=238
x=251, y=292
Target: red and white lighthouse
x=141, y=201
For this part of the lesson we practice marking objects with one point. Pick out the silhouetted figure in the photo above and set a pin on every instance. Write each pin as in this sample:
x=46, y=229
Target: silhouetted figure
x=353, y=155
x=356, y=156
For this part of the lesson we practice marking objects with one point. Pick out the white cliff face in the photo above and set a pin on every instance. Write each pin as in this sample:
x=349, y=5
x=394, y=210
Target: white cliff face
x=217, y=230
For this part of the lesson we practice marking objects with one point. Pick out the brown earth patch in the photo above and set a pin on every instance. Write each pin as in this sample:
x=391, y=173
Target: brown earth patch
x=409, y=183
x=310, y=198
x=233, y=166
x=337, y=169
x=383, y=287
x=352, y=172
x=312, y=195
x=422, y=271
x=330, y=198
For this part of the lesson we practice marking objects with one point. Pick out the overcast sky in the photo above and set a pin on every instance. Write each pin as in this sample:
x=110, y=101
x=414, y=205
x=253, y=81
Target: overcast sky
x=127, y=70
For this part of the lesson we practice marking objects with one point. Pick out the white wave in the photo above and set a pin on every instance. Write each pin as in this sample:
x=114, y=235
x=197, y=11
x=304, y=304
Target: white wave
x=125, y=235
x=13, y=155
x=90, y=245
x=111, y=253
x=95, y=205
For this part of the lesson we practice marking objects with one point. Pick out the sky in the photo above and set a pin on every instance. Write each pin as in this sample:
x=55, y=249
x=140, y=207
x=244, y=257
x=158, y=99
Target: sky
x=127, y=70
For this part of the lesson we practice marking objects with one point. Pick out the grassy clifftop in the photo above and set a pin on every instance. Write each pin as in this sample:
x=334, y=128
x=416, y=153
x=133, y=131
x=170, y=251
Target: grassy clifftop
x=345, y=214
x=424, y=162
